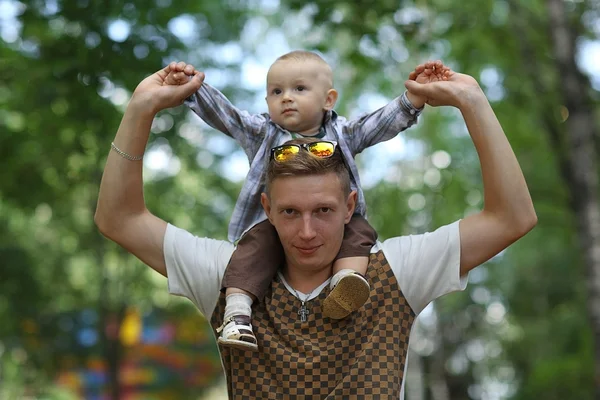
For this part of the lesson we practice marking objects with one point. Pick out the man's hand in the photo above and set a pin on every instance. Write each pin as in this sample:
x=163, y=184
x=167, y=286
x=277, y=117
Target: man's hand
x=431, y=71
x=168, y=87
x=454, y=89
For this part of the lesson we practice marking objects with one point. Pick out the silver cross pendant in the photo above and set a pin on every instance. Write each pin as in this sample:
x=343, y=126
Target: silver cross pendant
x=303, y=312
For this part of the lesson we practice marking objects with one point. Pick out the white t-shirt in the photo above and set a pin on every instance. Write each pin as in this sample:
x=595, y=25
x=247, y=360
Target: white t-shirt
x=426, y=266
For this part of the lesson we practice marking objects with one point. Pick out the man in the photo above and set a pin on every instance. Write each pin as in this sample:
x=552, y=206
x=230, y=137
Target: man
x=301, y=353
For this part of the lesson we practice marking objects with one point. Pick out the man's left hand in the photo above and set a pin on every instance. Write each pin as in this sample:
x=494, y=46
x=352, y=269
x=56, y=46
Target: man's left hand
x=455, y=90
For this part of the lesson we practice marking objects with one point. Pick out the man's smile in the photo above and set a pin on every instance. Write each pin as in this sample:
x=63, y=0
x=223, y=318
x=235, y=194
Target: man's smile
x=307, y=250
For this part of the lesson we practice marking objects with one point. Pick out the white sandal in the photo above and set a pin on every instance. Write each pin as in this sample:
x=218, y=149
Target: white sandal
x=236, y=332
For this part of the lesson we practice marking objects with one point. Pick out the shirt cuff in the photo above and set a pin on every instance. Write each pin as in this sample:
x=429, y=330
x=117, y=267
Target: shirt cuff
x=408, y=106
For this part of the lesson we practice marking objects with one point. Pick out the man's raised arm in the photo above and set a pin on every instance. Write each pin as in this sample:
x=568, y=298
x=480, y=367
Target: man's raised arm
x=121, y=214
x=508, y=212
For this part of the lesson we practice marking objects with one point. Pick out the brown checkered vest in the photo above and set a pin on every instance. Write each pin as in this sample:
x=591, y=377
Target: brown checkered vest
x=360, y=357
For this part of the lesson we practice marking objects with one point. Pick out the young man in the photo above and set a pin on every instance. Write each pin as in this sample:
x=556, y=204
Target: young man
x=309, y=203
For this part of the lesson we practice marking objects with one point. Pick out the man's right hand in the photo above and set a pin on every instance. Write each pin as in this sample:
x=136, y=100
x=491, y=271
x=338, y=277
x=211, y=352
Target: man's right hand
x=164, y=89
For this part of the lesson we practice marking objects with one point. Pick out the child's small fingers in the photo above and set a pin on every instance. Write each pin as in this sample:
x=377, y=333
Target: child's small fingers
x=189, y=69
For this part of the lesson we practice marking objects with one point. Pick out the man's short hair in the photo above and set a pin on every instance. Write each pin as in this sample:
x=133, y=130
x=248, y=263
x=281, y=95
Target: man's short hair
x=304, y=163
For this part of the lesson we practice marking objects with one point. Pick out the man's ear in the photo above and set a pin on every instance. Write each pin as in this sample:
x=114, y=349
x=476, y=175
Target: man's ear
x=332, y=96
x=350, y=205
x=266, y=204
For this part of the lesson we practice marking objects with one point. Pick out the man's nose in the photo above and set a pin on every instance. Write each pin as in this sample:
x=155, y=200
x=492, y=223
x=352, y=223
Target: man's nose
x=307, y=230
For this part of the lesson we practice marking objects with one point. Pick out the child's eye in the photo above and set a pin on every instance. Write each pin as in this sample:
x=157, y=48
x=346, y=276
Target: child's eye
x=276, y=91
x=301, y=88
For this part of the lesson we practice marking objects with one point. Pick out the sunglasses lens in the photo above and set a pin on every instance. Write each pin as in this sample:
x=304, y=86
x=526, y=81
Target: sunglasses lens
x=283, y=153
x=321, y=149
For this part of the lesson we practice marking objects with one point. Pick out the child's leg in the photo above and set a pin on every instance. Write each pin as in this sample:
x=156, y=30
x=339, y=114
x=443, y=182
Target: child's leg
x=238, y=302
x=255, y=261
x=357, y=264
x=349, y=288
x=251, y=269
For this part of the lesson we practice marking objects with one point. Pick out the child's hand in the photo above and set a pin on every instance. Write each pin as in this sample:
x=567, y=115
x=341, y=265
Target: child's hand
x=431, y=71
x=180, y=74
x=155, y=94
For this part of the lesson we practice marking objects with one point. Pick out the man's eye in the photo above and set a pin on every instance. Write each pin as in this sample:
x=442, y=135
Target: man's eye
x=325, y=210
x=288, y=211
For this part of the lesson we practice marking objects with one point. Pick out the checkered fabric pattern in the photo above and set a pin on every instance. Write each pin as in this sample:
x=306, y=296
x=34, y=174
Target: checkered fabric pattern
x=362, y=356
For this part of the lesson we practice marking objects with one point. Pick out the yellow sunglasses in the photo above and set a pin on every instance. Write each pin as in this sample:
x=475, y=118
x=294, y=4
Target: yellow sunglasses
x=284, y=152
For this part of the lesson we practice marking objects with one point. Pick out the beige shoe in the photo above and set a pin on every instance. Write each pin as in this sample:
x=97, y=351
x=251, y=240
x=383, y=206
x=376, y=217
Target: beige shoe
x=350, y=294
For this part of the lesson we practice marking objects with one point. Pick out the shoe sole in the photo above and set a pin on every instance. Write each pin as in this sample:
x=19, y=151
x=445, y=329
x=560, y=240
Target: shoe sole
x=349, y=295
x=237, y=344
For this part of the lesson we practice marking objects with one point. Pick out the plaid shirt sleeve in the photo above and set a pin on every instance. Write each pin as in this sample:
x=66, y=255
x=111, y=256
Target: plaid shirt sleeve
x=218, y=112
x=380, y=125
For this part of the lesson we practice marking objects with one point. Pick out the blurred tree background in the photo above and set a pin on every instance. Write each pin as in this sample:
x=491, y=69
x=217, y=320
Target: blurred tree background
x=80, y=318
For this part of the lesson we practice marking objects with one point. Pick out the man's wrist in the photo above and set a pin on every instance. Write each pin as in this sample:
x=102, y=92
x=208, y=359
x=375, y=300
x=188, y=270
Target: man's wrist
x=472, y=99
x=141, y=108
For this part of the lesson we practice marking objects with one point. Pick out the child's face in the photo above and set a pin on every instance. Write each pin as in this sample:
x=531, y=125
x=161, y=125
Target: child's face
x=298, y=94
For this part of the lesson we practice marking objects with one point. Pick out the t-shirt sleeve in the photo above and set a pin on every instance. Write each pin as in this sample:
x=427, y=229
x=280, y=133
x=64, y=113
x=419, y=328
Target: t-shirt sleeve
x=427, y=266
x=195, y=267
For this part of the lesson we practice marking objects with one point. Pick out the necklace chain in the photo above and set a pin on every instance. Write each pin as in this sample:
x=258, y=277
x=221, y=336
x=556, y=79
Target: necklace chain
x=300, y=298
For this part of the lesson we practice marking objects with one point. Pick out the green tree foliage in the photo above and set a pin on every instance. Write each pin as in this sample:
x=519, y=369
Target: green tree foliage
x=65, y=81
x=519, y=331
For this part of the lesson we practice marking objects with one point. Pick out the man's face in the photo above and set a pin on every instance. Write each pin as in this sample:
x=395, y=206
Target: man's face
x=298, y=94
x=309, y=214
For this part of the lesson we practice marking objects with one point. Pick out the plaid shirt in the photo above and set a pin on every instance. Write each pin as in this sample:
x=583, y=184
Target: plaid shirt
x=257, y=134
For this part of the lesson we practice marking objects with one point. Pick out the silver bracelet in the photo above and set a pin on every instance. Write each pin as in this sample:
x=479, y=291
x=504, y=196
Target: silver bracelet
x=125, y=155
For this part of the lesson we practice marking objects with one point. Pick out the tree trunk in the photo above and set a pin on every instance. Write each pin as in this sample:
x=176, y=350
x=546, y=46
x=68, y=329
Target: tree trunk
x=580, y=133
x=414, y=386
x=439, y=387
x=111, y=345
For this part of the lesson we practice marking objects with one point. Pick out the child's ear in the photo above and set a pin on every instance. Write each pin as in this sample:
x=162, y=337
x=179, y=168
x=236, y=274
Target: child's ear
x=332, y=96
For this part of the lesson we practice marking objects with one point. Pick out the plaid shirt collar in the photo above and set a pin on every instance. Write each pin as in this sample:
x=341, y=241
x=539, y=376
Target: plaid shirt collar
x=330, y=117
